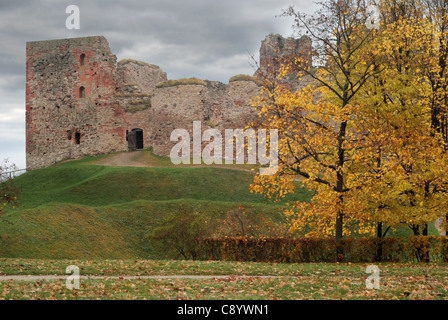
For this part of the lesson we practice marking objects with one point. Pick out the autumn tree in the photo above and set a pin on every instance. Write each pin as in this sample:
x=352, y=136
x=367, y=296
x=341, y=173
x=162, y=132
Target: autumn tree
x=368, y=136
x=437, y=74
x=319, y=134
x=406, y=182
x=8, y=192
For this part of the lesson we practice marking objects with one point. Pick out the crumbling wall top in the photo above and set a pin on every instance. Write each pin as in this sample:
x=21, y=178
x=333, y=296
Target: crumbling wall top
x=99, y=42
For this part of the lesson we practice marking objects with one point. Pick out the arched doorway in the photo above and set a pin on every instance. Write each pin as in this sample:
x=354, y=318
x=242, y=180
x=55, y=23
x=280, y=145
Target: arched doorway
x=82, y=59
x=135, y=139
x=82, y=92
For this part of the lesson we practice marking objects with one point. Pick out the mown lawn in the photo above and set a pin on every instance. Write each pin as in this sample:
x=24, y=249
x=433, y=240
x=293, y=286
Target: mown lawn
x=284, y=281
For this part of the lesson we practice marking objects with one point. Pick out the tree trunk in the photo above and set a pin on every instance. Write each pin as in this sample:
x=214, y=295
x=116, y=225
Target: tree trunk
x=339, y=248
x=415, y=229
x=446, y=225
x=425, y=229
x=425, y=254
x=340, y=189
x=379, y=248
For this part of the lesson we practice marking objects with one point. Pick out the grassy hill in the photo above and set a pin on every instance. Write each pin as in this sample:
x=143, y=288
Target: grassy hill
x=83, y=210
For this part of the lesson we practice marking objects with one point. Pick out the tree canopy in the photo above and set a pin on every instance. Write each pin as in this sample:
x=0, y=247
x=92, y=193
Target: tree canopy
x=369, y=134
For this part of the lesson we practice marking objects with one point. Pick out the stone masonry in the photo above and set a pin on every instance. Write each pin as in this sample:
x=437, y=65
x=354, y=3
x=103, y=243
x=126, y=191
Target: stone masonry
x=80, y=101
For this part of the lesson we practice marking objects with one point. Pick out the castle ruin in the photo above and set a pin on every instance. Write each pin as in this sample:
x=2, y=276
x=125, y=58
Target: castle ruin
x=80, y=101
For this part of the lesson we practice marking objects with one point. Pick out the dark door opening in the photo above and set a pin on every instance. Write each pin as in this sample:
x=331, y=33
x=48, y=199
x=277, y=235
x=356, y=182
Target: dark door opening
x=135, y=139
x=77, y=138
x=139, y=138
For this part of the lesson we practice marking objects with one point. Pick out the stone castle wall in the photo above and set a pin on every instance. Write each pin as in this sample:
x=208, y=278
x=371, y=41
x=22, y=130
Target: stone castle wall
x=138, y=76
x=68, y=100
x=80, y=101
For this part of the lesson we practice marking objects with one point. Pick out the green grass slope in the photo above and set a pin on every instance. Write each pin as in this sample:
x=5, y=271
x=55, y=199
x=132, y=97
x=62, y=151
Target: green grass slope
x=98, y=185
x=78, y=210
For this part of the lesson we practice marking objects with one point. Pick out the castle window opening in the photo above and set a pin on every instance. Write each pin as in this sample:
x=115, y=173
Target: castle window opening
x=82, y=92
x=78, y=138
x=83, y=59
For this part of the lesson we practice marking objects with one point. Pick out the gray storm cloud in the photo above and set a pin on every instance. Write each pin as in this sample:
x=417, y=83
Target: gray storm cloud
x=200, y=38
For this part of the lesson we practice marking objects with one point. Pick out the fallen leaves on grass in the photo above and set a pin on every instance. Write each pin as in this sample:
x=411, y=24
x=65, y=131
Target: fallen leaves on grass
x=290, y=282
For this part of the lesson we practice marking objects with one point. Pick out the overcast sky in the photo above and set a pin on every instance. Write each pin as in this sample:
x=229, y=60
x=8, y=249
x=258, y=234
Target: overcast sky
x=208, y=39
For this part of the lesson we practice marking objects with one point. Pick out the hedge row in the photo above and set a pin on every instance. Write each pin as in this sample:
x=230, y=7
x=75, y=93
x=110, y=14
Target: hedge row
x=414, y=248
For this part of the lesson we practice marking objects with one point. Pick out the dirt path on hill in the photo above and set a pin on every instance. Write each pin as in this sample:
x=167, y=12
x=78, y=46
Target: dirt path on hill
x=125, y=159
x=140, y=159
x=143, y=160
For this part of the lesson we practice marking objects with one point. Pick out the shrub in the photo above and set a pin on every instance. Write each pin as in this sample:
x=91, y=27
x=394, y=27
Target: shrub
x=444, y=249
x=248, y=222
x=285, y=249
x=178, y=232
x=427, y=248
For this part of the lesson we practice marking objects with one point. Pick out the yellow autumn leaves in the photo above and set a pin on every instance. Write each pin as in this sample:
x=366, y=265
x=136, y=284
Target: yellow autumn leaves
x=369, y=135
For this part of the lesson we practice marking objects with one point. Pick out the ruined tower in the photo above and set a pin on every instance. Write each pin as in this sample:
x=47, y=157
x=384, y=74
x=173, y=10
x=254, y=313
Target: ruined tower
x=276, y=50
x=69, y=88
